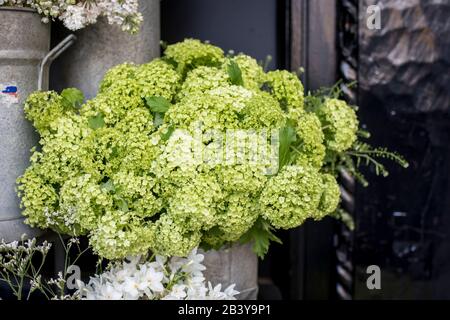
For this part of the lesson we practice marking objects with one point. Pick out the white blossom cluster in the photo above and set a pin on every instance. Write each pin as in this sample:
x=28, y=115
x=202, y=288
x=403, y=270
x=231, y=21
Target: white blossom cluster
x=16, y=260
x=159, y=279
x=16, y=255
x=77, y=14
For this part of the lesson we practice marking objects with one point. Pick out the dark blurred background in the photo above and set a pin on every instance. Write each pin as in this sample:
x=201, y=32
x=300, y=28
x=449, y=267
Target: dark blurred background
x=403, y=91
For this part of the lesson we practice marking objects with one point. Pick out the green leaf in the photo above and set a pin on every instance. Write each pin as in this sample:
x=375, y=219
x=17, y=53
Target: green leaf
x=108, y=186
x=157, y=104
x=363, y=133
x=166, y=136
x=345, y=217
x=114, y=152
x=235, y=74
x=72, y=97
x=96, y=122
x=287, y=138
x=261, y=234
x=122, y=204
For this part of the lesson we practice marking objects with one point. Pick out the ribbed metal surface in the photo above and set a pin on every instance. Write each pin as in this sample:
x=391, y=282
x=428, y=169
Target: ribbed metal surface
x=347, y=69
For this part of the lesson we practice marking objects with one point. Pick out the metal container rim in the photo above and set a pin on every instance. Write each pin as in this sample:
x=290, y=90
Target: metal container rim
x=20, y=9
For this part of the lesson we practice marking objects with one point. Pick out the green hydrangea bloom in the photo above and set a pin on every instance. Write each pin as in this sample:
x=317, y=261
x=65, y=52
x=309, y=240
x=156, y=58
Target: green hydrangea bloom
x=330, y=197
x=203, y=79
x=312, y=149
x=38, y=197
x=112, y=106
x=137, y=192
x=252, y=73
x=119, y=235
x=262, y=111
x=244, y=178
x=214, y=238
x=241, y=212
x=340, y=124
x=286, y=88
x=156, y=78
x=219, y=108
x=291, y=196
x=192, y=53
x=42, y=108
x=136, y=177
x=118, y=76
x=86, y=199
x=173, y=239
x=62, y=154
x=194, y=205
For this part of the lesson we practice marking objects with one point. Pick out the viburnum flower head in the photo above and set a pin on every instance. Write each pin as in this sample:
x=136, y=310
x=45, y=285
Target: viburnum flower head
x=123, y=169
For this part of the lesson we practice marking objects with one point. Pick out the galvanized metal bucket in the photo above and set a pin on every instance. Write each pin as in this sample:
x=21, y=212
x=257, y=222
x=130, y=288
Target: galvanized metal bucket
x=235, y=265
x=24, y=63
x=102, y=46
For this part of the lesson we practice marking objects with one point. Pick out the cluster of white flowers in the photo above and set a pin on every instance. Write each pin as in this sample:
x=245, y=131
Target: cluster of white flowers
x=77, y=14
x=16, y=259
x=13, y=250
x=159, y=279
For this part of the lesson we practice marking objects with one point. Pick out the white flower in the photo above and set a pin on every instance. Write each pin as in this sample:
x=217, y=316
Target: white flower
x=215, y=293
x=159, y=263
x=131, y=288
x=230, y=292
x=197, y=292
x=107, y=292
x=151, y=278
x=178, y=292
x=133, y=279
x=74, y=17
x=78, y=14
x=194, y=264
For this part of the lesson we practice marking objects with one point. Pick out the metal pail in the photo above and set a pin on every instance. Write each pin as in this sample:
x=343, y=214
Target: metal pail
x=24, y=61
x=102, y=46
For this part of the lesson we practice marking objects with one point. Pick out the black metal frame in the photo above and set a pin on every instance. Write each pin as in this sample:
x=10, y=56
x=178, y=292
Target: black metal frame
x=312, y=45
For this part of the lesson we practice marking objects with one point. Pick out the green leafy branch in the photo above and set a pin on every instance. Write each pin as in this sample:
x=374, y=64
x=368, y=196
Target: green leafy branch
x=345, y=217
x=261, y=234
x=366, y=154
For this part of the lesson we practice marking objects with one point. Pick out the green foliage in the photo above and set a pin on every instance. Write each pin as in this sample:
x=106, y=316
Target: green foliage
x=72, y=98
x=252, y=73
x=96, y=122
x=363, y=154
x=345, y=217
x=157, y=104
x=287, y=139
x=130, y=167
x=260, y=234
x=235, y=74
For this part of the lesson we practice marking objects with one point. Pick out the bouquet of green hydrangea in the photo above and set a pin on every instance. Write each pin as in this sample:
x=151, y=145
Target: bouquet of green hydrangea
x=194, y=148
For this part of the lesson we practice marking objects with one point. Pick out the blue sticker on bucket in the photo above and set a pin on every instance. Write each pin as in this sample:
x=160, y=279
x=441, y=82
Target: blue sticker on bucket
x=9, y=94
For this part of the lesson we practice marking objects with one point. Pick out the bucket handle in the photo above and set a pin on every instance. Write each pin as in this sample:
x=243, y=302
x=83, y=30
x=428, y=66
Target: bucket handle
x=52, y=55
